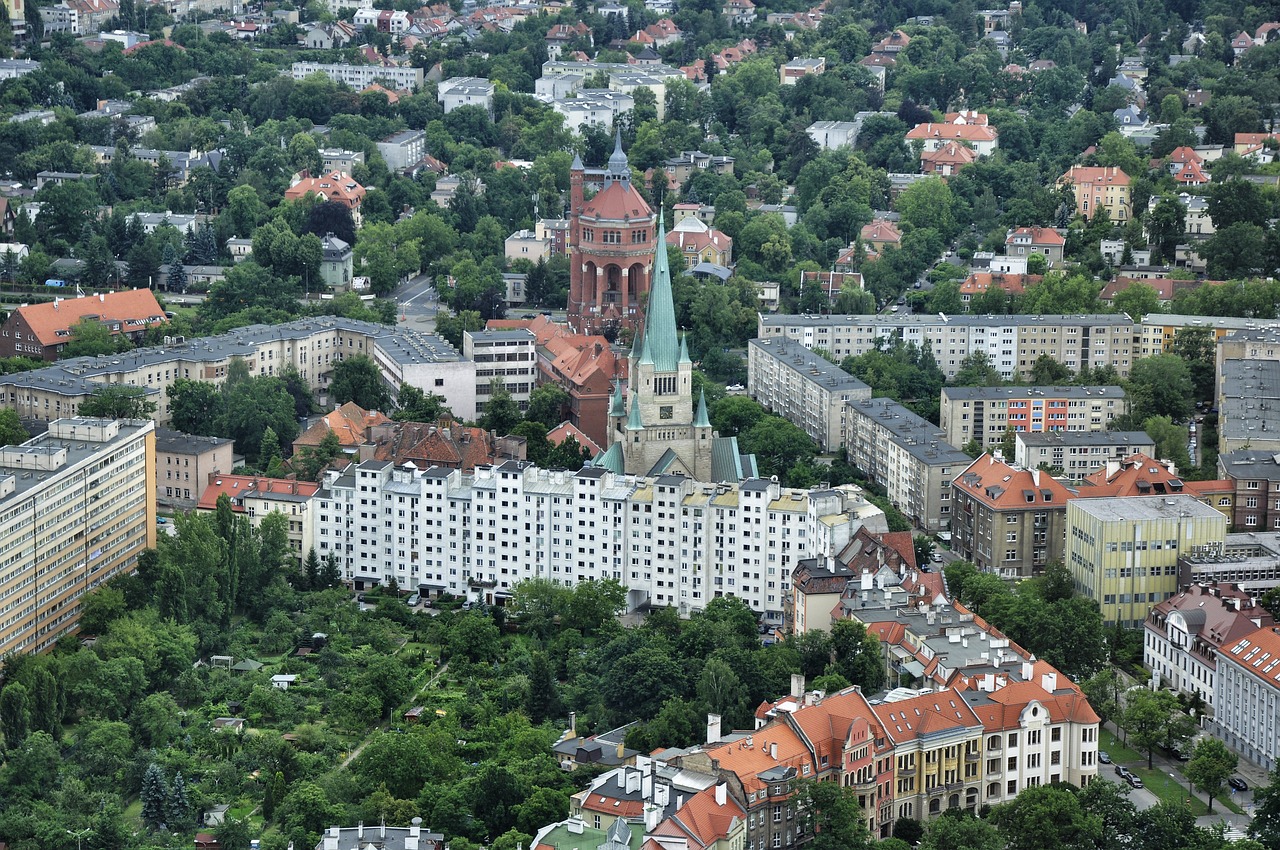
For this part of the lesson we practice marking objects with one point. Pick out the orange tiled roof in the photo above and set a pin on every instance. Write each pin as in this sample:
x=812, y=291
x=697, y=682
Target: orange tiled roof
x=567, y=429
x=349, y=423
x=702, y=820
x=929, y=713
x=1015, y=284
x=950, y=153
x=425, y=444
x=1095, y=175
x=1257, y=653
x=334, y=186
x=239, y=486
x=770, y=747
x=1038, y=236
x=138, y=305
x=617, y=201
x=881, y=231
x=999, y=485
x=959, y=132
x=1140, y=475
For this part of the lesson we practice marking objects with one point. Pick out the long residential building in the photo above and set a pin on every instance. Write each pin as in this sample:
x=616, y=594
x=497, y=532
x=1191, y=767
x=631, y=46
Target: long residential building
x=1078, y=453
x=1012, y=343
x=803, y=387
x=1249, y=406
x=985, y=413
x=312, y=346
x=907, y=455
x=1247, y=697
x=669, y=540
x=75, y=511
x=361, y=76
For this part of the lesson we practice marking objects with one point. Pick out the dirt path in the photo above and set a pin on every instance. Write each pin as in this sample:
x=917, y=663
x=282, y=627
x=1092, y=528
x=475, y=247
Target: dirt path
x=382, y=727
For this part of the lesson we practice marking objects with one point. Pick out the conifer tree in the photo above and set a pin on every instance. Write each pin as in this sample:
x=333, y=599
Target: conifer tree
x=154, y=795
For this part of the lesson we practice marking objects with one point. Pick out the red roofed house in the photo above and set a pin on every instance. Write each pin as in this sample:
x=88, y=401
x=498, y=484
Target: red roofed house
x=350, y=423
x=869, y=561
x=700, y=243
x=1191, y=174
x=612, y=247
x=881, y=234
x=1139, y=475
x=42, y=330
x=567, y=429
x=992, y=500
x=983, y=139
x=445, y=443
x=967, y=116
x=560, y=35
x=947, y=159
x=1241, y=44
x=1099, y=188
x=334, y=186
x=1246, y=143
x=1046, y=241
x=979, y=282
x=739, y=12
x=256, y=496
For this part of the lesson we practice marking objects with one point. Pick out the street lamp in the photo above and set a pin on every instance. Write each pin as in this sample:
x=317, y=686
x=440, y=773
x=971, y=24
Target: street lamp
x=79, y=835
x=1178, y=782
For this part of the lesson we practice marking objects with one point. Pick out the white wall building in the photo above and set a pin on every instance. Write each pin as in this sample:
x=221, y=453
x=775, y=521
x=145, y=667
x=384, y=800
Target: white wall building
x=507, y=355
x=593, y=107
x=465, y=91
x=361, y=76
x=1247, y=697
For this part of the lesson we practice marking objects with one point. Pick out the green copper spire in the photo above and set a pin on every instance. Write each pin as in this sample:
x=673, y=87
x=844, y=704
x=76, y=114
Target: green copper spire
x=617, y=405
x=633, y=418
x=684, y=349
x=700, y=419
x=661, y=345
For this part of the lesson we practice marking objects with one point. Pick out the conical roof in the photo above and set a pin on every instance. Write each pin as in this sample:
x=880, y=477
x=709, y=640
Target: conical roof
x=700, y=418
x=661, y=342
x=617, y=405
x=618, y=165
x=634, y=422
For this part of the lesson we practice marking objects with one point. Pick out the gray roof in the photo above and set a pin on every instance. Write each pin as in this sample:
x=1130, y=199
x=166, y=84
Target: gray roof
x=1124, y=508
x=802, y=360
x=513, y=335
x=919, y=437
x=1035, y=439
x=28, y=476
x=1250, y=464
x=990, y=393
x=378, y=837
x=178, y=442
x=1250, y=406
x=960, y=320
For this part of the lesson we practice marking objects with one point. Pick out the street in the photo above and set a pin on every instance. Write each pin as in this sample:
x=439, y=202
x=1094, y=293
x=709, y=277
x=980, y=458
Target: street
x=418, y=303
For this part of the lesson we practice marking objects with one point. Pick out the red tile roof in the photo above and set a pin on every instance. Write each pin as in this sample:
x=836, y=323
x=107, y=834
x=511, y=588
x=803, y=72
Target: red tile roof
x=350, y=423
x=134, y=309
x=1038, y=236
x=958, y=132
x=617, y=201
x=701, y=820
x=1080, y=174
x=334, y=186
x=926, y=714
x=237, y=487
x=999, y=485
x=1258, y=653
x=567, y=429
x=1015, y=284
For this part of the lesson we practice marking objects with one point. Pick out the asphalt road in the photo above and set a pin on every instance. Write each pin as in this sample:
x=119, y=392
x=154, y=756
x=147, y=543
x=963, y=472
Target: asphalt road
x=418, y=303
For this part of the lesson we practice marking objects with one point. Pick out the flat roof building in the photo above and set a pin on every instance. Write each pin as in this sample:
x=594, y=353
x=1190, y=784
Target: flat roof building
x=984, y=414
x=802, y=387
x=1077, y=453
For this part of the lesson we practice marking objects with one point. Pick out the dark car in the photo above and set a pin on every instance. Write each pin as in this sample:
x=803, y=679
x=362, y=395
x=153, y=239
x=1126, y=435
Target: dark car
x=1238, y=784
x=1134, y=781
x=1122, y=771
x=1104, y=757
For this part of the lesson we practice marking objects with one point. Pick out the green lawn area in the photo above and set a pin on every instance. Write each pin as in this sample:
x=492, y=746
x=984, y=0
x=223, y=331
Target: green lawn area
x=1119, y=752
x=1158, y=781
x=1168, y=790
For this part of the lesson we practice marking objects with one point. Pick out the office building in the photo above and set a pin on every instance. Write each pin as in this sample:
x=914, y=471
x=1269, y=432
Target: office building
x=984, y=414
x=802, y=387
x=1007, y=519
x=1075, y=454
x=183, y=465
x=907, y=455
x=1247, y=697
x=1012, y=343
x=1123, y=552
x=76, y=509
x=479, y=535
x=507, y=357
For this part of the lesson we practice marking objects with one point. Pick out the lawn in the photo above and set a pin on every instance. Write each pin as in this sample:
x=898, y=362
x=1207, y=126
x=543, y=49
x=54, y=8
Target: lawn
x=1159, y=782
x=1120, y=753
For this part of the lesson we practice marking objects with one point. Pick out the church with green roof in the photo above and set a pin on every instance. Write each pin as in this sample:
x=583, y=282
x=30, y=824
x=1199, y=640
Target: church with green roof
x=654, y=428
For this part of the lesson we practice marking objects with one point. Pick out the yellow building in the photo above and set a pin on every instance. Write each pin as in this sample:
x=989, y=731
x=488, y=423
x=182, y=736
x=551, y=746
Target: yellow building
x=1123, y=552
x=75, y=511
x=1099, y=188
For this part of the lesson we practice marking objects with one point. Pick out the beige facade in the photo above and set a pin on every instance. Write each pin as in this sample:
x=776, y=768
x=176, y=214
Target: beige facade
x=184, y=463
x=1123, y=552
x=986, y=413
x=802, y=387
x=75, y=511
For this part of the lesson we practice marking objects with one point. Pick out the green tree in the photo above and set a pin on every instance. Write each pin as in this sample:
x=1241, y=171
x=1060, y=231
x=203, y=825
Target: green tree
x=832, y=816
x=194, y=406
x=929, y=204
x=11, y=431
x=722, y=691
x=118, y=401
x=501, y=413
x=1151, y=718
x=1265, y=825
x=960, y=831
x=1160, y=385
x=1046, y=817
x=15, y=714
x=359, y=379
x=414, y=405
x=1210, y=766
x=89, y=338
x=1048, y=371
x=547, y=405
x=155, y=793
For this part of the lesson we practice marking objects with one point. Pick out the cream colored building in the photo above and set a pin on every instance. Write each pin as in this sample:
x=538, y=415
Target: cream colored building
x=802, y=387
x=75, y=510
x=986, y=413
x=184, y=463
x=1158, y=330
x=256, y=497
x=1123, y=552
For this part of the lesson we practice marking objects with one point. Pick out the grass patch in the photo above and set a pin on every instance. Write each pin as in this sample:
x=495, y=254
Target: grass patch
x=1120, y=753
x=1170, y=790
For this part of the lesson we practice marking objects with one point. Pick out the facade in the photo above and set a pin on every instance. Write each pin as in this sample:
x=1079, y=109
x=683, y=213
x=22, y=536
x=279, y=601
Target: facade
x=1158, y=331
x=905, y=454
x=790, y=73
x=982, y=138
x=1123, y=552
x=1044, y=241
x=593, y=108
x=1247, y=697
x=67, y=532
x=1078, y=453
x=184, y=463
x=335, y=262
x=803, y=388
x=1006, y=519
x=612, y=249
x=41, y=331
x=361, y=76
x=465, y=91
x=1013, y=343
x=526, y=245
x=404, y=149
x=60, y=18
x=986, y=413
x=573, y=527
x=431, y=364
x=1183, y=635
x=334, y=186
x=11, y=69
x=1255, y=477
x=1248, y=396
x=508, y=357
x=256, y=497
x=1099, y=188
x=830, y=135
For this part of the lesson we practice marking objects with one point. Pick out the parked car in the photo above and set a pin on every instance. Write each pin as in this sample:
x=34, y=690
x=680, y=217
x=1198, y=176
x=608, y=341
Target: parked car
x=1104, y=757
x=412, y=600
x=1122, y=771
x=1238, y=784
x=937, y=557
x=1134, y=781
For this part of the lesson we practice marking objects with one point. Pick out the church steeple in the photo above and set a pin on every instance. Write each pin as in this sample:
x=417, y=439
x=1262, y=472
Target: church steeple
x=634, y=422
x=661, y=341
x=701, y=419
x=619, y=169
x=617, y=405
x=684, y=349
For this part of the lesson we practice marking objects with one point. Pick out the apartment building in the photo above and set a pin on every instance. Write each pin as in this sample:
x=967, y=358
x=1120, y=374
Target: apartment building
x=404, y=149
x=1156, y=332
x=1099, y=189
x=1249, y=406
x=41, y=331
x=75, y=511
x=598, y=108
x=184, y=463
x=905, y=454
x=256, y=497
x=1007, y=519
x=1255, y=475
x=1078, y=453
x=508, y=356
x=802, y=387
x=1183, y=635
x=986, y=413
x=312, y=346
x=465, y=91
x=1123, y=552
x=1247, y=697
x=1012, y=343
x=669, y=540
x=361, y=76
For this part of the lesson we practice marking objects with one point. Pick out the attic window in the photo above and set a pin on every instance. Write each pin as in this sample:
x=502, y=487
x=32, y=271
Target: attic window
x=1048, y=495
x=1030, y=495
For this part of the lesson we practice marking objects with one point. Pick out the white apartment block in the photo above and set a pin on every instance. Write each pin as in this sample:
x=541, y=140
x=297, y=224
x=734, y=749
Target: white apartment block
x=60, y=18
x=465, y=91
x=803, y=388
x=1247, y=697
x=905, y=454
x=361, y=76
x=593, y=108
x=669, y=540
x=1077, y=453
x=509, y=356
x=1013, y=343
x=75, y=510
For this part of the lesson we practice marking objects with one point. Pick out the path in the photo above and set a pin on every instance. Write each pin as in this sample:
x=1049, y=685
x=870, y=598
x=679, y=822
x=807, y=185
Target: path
x=382, y=727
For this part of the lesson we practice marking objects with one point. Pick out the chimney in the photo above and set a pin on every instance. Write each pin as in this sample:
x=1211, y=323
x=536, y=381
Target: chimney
x=721, y=795
x=573, y=723
x=1049, y=681
x=622, y=778
x=621, y=749
x=331, y=838
x=773, y=750
x=360, y=830
x=797, y=685
x=1028, y=670
x=574, y=826
x=713, y=728
x=102, y=296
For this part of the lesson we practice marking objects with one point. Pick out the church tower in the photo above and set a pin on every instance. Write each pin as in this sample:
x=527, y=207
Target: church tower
x=656, y=428
x=611, y=249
